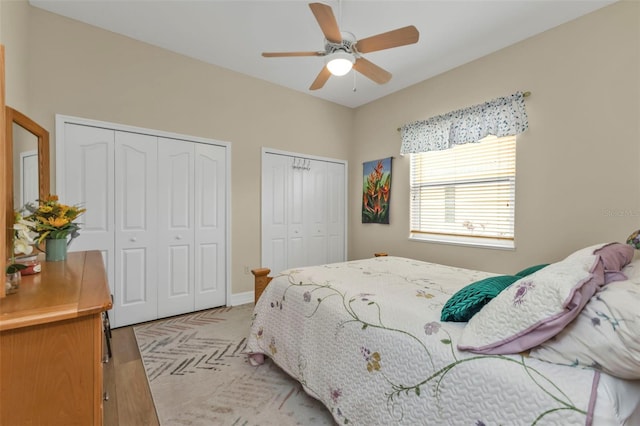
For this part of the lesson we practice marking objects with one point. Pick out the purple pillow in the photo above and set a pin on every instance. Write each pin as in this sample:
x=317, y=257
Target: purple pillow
x=615, y=256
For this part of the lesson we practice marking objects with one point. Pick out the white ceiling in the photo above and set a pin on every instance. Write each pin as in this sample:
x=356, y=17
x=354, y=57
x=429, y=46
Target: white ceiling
x=233, y=34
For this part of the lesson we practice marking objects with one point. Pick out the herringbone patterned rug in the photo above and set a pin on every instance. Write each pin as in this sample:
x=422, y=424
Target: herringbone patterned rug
x=199, y=375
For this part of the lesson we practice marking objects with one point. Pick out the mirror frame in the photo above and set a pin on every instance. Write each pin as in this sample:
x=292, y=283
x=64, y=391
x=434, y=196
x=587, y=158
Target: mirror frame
x=3, y=167
x=13, y=116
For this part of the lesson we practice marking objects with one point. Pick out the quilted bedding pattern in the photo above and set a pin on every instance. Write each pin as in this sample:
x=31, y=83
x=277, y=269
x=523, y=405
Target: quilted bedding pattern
x=365, y=338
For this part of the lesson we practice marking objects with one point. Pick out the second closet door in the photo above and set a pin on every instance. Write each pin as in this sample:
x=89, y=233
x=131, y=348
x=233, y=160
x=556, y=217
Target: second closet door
x=191, y=229
x=303, y=211
x=176, y=227
x=308, y=215
x=210, y=220
x=136, y=227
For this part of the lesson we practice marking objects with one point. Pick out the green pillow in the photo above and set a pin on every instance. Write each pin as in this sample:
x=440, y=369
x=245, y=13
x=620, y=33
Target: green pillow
x=530, y=270
x=469, y=300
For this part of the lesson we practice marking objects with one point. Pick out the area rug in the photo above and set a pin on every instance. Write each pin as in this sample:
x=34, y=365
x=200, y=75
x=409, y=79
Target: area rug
x=199, y=375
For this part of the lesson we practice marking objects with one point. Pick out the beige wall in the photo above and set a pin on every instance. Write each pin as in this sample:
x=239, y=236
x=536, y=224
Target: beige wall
x=578, y=182
x=578, y=179
x=78, y=70
x=14, y=34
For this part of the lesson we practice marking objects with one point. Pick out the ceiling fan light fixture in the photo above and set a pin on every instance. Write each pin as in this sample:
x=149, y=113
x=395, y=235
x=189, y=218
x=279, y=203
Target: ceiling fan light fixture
x=340, y=63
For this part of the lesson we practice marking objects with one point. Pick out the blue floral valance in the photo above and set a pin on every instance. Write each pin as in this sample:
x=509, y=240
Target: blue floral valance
x=500, y=117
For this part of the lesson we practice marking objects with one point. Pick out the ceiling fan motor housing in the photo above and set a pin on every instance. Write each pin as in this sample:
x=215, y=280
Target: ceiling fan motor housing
x=346, y=45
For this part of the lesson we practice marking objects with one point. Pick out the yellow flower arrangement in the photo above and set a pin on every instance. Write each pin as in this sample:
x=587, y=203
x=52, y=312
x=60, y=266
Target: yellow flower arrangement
x=53, y=220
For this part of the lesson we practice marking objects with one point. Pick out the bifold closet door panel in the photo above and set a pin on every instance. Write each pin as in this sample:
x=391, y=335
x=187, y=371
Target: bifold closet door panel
x=335, y=213
x=275, y=184
x=210, y=226
x=316, y=199
x=176, y=229
x=87, y=180
x=297, y=235
x=135, y=227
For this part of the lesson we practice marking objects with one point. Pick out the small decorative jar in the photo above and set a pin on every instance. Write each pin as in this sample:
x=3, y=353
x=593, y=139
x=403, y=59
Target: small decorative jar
x=12, y=283
x=31, y=263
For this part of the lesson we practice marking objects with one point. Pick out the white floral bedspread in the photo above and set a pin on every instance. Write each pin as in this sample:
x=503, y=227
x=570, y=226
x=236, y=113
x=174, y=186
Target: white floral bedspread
x=365, y=338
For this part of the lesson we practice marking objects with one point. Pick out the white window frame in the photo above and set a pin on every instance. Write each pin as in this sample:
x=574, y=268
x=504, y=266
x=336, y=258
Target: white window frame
x=420, y=229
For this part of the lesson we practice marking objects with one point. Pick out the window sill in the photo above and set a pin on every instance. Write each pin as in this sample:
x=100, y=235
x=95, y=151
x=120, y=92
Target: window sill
x=490, y=243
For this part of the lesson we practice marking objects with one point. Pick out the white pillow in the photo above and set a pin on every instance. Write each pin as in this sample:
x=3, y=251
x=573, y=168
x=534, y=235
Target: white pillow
x=606, y=334
x=538, y=306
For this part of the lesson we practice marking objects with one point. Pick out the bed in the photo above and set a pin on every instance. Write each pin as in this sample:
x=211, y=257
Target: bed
x=367, y=339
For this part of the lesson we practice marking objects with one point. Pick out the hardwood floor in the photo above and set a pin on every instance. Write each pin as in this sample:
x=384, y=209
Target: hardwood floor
x=130, y=400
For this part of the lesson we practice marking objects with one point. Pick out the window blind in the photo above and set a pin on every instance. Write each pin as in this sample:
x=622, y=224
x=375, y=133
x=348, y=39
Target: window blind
x=467, y=191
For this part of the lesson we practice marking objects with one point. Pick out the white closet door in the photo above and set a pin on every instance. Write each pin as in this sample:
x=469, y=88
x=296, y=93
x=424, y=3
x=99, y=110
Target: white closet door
x=210, y=226
x=335, y=213
x=136, y=227
x=275, y=186
x=303, y=211
x=156, y=209
x=176, y=230
x=87, y=179
x=316, y=201
x=297, y=232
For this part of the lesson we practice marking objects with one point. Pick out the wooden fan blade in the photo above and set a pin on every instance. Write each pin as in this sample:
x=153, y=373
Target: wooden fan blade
x=286, y=54
x=371, y=71
x=321, y=79
x=327, y=21
x=394, y=38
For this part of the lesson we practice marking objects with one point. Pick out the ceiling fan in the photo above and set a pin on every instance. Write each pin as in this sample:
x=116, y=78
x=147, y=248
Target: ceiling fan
x=342, y=51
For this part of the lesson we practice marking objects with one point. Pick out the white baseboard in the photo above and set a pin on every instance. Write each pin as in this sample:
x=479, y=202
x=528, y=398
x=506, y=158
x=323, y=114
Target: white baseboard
x=241, y=298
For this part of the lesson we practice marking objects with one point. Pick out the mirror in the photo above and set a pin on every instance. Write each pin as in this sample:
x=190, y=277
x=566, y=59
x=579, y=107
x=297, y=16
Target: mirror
x=25, y=166
x=27, y=162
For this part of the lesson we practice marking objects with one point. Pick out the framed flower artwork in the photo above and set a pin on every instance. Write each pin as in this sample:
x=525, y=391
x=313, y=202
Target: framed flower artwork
x=376, y=193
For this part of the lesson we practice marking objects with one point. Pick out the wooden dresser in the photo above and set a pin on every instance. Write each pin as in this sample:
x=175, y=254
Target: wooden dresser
x=51, y=344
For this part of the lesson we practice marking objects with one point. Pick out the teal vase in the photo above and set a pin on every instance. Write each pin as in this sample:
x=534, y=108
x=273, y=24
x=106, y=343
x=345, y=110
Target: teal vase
x=55, y=249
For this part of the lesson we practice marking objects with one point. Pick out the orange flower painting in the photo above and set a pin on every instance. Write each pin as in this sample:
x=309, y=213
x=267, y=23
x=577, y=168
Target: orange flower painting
x=376, y=191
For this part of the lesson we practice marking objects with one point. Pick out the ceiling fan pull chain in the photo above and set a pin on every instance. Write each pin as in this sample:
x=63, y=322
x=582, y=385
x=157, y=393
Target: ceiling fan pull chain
x=354, y=81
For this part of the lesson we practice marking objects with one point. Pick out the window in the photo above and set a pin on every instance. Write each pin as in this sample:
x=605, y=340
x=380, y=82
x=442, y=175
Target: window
x=465, y=194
